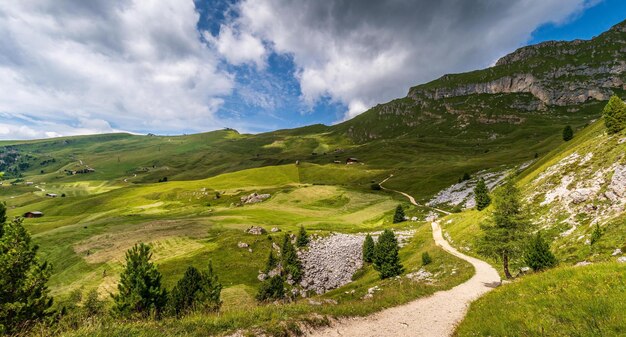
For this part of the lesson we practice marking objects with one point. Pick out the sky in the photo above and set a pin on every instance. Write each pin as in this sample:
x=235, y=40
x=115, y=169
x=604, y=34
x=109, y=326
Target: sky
x=70, y=67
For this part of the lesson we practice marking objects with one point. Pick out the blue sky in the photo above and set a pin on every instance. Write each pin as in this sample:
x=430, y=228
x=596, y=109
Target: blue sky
x=173, y=67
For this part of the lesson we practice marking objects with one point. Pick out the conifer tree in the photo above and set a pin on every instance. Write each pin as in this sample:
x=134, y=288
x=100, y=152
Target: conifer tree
x=503, y=236
x=538, y=255
x=386, y=259
x=596, y=234
x=271, y=262
x=368, y=249
x=399, y=215
x=303, y=237
x=139, y=291
x=271, y=289
x=614, y=114
x=24, y=295
x=481, y=195
x=289, y=260
x=568, y=133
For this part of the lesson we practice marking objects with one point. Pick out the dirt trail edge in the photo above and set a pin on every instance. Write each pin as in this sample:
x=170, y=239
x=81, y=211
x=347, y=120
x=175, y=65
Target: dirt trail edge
x=436, y=315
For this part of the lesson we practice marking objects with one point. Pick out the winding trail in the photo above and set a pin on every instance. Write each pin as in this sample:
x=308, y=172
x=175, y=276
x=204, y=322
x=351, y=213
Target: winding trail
x=436, y=315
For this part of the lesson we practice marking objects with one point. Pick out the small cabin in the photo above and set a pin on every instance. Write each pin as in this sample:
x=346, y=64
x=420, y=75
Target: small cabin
x=51, y=195
x=34, y=214
x=352, y=160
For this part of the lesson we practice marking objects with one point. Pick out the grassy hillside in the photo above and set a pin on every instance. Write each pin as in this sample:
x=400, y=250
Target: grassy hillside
x=570, y=301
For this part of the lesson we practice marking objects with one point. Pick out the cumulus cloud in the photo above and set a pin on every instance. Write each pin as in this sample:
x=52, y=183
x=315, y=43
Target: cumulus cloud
x=102, y=65
x=239, y=47
x=364, y=52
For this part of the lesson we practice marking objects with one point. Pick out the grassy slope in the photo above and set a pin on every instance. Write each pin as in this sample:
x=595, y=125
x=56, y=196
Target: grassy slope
x=569, y=301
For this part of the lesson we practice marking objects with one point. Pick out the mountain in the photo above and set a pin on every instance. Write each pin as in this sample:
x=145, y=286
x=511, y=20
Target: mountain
x=460, y=123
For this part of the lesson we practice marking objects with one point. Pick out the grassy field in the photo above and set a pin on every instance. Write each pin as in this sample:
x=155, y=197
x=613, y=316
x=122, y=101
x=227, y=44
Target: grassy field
x=569, y=301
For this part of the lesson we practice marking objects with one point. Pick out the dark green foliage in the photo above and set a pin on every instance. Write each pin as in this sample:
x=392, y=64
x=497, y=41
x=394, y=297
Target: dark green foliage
x=3, y=216
x=139, y=292
x=303, y=237
x=504, y=235
x=399, y=215
x=426, y=259
x=465, y=177
x=368, y=249
x=386, y=259
x=289, y=259
x=271, y=289
x=568, y=133
x=538, y=255
x=196, y=291
x=376, y=187
x=271, y=262
x=23, y=293
x=481, y=195
x=614, y=114
x=596, y=234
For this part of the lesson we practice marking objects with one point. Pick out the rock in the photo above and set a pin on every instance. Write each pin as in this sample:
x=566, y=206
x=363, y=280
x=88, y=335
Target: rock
x=420, y=275
x=621, y=259
x=314, y=302
x=414, y=218
x=250, y=250
x=262, y=276
x=242, y=245
x=618, y=182
x=275, y=229
x=255, y=230
x=616, y=252
x=275, y=247
x=254, y=198
x=582, y=264
x=330, y=262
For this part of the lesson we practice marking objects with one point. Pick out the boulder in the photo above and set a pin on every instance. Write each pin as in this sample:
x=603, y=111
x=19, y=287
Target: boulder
x=243, y=245
x=254, y=198
x=256, y=230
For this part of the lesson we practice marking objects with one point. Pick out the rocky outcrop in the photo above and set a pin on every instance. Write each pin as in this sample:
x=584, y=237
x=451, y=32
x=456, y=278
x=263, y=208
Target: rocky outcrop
x=254, y=198
x=255, y=230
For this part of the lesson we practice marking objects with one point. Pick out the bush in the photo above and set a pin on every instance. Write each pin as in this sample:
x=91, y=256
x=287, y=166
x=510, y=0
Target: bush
x=23, y=293
x=568, y=133
x=271, y=262
x=368, y=249
x=139, y=292
x=271, y=289
x=93, y=305
x=196, y=291
x=426, y=259
x=376, y=187
x=399, y=215
x=596, y=234
x=303, y=237
x=386, y=259
x=481, y=195
x=538, y=255
x=614, y=114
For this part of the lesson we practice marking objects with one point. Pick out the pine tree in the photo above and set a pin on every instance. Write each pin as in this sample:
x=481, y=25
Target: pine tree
x=426, y=259
x=481, y=195
x=140, y=290
x=271, y=289
x=504, y=234
x=568, y=133
x=399, y=215
x=386, y=259
x=289, y=259
x=3, y=216
x=23, y=293
x=207, y=297
x=538, y=255
x=271, y=262
x=614, y=114
x=368, y=249
x=303, y=237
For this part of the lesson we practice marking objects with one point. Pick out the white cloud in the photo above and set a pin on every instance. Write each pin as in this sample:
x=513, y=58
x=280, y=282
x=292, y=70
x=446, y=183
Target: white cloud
x=239, y=47
x=366, y=52
x=137, y=64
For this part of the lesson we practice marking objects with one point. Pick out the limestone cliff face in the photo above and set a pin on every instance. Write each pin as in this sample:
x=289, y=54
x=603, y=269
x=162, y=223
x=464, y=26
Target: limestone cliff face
x=557, y=73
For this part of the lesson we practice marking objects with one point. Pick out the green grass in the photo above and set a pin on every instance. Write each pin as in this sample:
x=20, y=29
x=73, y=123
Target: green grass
x=571, y=301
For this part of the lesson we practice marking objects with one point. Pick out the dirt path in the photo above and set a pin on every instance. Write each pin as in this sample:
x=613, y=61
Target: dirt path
x=436, y=315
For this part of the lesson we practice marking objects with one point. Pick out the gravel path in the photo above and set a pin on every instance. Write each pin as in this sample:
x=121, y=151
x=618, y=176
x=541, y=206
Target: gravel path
x=436, y=315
